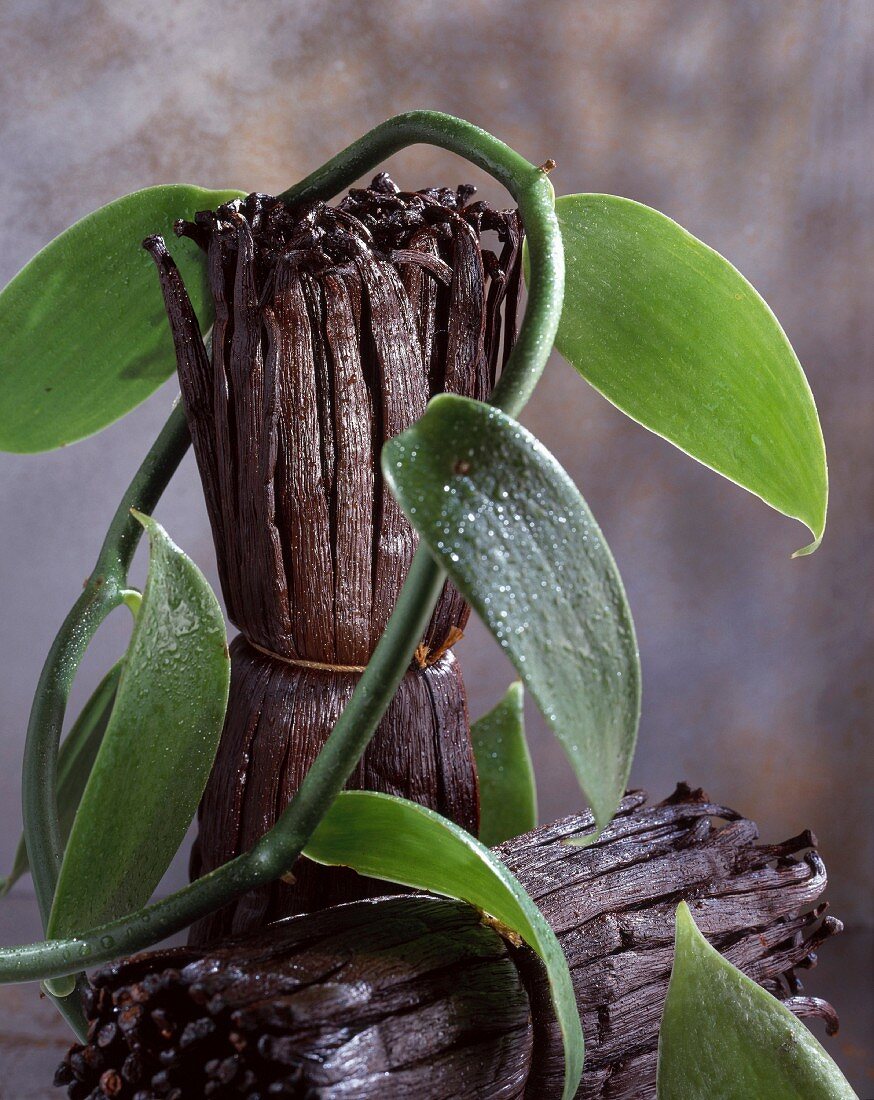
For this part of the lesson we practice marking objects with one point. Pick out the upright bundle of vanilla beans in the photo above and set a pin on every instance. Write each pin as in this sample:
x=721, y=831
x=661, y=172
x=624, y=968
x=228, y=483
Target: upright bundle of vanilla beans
x=333, y=327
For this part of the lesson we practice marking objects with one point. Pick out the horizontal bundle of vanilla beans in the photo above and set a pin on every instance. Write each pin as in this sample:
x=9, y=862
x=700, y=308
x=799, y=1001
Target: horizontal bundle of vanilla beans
x=333, y=328
x=415, y=996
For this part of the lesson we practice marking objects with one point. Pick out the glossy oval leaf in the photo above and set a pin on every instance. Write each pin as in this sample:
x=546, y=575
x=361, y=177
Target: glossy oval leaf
x=518, y=540
x=399, y=841
x=157, y=751
x=676, y=337
x=83, y=333
x=724, y=1038
x=507, y=788
x=75, y=759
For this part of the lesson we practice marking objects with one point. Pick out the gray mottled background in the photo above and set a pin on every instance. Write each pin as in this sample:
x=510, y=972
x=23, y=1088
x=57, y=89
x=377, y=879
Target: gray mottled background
x=748, y=122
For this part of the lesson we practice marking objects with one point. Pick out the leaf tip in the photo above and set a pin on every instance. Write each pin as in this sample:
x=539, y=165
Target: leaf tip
x=516, y=693
x=817, y=516
x=5, y=885
x=133, y=599
x=60, y=987
x=450, y=399
x=688, y=937
x=587, y=838
x=149, y=524
x=684, y=922
x=812, y=547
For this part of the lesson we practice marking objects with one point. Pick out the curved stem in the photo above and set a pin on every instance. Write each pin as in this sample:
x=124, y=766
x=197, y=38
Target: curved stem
x=39, y=779
x=280, y=847
x=528, y=185
x=104, y=590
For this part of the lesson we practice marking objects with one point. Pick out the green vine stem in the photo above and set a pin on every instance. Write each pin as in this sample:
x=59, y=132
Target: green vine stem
x=104, y=590
x=278, y=849
x=530, y=188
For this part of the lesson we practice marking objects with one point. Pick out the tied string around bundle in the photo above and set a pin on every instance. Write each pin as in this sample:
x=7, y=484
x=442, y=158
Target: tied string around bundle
x=424, y=656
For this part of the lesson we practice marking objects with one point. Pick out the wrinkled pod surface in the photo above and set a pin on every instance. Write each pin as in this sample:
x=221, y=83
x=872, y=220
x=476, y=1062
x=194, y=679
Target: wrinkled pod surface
x=418, y=997
x=333, y=327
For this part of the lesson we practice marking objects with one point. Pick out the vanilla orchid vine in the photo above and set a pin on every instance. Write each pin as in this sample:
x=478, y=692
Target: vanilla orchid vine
x=659, y=323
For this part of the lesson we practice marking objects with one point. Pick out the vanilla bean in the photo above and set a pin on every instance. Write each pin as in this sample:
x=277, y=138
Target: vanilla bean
x=415, y=996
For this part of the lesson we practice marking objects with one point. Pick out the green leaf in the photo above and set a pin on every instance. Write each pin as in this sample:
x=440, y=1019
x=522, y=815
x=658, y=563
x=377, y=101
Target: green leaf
x=399, y=841
x=83, y=333
x=724, y=1038
x=157, y=751
x=518, y=540
x=507, y=790
x=678, y=339
x=75, y=759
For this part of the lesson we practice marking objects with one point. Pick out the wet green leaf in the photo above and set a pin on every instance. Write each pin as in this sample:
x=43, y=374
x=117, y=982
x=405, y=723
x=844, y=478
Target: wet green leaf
x=518, y=540
x=507, y=790
x=75, y=759
x=83, y=333
x=724, y=1038
x=399, y=841
x=157, y=751
x=678, y=339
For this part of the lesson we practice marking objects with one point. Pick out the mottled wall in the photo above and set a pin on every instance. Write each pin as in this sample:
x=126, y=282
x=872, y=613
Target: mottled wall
x=748, y=122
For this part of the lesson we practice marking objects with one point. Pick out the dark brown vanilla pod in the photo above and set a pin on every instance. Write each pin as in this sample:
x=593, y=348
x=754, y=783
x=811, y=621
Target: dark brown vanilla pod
x=413, y=996
x=333, y=327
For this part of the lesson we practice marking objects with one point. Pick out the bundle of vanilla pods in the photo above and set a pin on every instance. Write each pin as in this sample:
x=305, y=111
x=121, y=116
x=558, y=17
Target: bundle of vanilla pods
x=333, y=327
x=416, y=996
